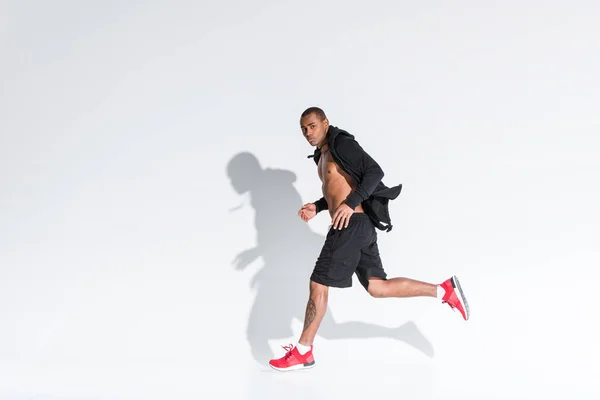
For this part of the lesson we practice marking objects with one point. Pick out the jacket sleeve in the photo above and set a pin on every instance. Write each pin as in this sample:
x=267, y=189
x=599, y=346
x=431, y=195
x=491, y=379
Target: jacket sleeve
x=370, y=172
x=321, y=204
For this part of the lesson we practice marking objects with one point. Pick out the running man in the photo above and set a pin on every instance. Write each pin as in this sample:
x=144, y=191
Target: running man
x=357, y=200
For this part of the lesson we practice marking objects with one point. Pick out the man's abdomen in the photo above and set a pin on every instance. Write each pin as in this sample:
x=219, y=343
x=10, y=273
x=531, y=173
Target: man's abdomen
x=335, y=190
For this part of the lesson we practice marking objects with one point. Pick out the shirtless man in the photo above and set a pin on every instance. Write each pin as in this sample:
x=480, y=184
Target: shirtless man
x=350, y=179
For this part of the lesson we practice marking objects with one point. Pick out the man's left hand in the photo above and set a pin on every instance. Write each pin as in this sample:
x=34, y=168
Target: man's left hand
x=341, y=217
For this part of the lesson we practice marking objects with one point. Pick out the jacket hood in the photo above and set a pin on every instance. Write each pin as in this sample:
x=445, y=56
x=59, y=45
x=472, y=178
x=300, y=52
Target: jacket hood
x=332, y=133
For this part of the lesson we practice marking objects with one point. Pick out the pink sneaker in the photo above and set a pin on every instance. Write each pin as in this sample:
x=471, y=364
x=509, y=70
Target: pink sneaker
x=455, y=297
x=293, y=360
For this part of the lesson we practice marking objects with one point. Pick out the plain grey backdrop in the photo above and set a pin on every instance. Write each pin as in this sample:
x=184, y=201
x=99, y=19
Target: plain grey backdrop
x=152, y=164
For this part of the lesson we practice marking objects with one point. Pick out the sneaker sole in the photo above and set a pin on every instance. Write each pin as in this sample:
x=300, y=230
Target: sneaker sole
x=294, y=367
x=461, y=298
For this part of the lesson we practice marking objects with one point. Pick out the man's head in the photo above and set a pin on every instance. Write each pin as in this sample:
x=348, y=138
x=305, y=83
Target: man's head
x=314, y=125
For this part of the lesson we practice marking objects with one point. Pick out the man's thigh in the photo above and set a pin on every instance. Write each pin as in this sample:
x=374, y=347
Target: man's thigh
x=370, y=265
x=340, y=255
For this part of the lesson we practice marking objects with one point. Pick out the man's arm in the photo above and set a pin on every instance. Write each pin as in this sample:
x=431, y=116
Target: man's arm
x=321, y=204
x=372, y=173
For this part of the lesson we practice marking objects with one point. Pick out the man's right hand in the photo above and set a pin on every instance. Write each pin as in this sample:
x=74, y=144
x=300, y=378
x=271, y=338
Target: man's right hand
x=307, y=211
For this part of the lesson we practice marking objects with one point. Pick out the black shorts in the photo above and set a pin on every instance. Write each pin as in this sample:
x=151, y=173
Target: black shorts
x=347, y=251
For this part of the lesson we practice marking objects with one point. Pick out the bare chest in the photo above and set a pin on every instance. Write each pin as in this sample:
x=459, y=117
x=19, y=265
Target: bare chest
x=329, y=170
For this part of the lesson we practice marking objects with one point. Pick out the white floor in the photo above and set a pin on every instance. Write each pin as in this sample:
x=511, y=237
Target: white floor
x=531, y=335
x=467, y=362
x=329, y=379
x=215, y=382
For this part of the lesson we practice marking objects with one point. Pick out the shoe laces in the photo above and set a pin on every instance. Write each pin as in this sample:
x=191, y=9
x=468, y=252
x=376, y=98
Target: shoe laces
x=288, y=350
x=450, y=304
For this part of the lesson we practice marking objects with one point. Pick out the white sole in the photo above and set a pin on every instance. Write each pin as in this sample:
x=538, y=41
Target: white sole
x=461, y=296
x=295, y=367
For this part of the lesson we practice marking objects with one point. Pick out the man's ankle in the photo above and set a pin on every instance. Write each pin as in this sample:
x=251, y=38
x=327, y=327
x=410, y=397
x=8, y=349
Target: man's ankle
x=303, y=348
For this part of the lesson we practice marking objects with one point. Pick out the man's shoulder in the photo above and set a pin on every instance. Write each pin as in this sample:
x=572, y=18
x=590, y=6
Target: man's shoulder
x=347, y=143
x=343, y=143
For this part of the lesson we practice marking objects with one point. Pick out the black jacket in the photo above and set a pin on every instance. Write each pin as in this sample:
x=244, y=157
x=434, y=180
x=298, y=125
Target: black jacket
x=367, y=175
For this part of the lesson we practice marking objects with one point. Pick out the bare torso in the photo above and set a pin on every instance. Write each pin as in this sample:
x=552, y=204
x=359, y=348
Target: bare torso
x=337, y=184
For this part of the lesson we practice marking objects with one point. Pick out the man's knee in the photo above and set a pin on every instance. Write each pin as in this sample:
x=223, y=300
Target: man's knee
x=318, y=289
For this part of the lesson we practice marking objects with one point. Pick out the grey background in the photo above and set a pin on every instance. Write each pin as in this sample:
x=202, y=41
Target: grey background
x=124, y=224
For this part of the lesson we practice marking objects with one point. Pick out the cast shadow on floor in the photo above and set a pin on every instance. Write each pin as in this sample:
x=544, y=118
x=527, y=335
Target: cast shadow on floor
x=289, y=248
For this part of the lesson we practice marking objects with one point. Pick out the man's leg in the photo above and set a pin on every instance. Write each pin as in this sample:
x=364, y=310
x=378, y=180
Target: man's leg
x=334, y=268
x=372, y=276
x=401, y=287
x=315, y=311
x=449, y=291
x=300, y=356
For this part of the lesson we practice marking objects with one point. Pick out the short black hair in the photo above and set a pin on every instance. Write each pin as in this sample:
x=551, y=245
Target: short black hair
x=320, y=113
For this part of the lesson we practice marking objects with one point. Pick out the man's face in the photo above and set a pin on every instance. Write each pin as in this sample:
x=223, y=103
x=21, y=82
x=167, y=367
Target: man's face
x=314, y=129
